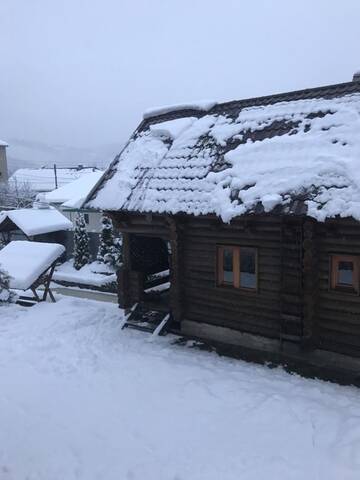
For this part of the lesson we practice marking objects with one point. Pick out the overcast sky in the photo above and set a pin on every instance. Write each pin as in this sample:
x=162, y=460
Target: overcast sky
x=80, y=73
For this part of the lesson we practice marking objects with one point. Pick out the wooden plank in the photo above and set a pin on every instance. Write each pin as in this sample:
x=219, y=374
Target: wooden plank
x=270, y=330
x=176, y=297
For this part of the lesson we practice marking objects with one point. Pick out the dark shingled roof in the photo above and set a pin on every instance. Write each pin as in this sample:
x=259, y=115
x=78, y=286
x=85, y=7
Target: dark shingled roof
x=145, y=180
x=234, y=107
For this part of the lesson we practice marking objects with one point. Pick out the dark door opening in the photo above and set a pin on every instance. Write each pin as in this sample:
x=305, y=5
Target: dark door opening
x=151, y=257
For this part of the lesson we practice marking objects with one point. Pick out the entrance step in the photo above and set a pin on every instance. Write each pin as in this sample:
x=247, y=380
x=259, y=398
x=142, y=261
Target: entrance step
x=147, y=319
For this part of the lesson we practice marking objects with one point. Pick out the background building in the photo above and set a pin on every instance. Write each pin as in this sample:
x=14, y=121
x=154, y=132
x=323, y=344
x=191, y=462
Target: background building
x=3, y=162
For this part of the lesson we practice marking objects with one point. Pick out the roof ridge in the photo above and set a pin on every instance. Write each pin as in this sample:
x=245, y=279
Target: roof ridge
x=291, y=95
x=280, y=95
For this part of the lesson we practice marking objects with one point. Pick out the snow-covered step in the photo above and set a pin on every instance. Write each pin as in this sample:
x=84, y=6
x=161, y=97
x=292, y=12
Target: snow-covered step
x=147, y=319
x=26, y=301
x=161, y=325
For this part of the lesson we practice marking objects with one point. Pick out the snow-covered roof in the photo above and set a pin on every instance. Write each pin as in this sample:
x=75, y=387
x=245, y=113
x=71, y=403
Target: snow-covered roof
x=26, y=261
x=73, y=194
x=294, y=153
x=3, y=144
x=43, y=179
x=202, y=105
x=33, y=221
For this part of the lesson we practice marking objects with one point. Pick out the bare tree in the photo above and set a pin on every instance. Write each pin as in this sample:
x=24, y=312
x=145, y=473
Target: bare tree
x=16, y=195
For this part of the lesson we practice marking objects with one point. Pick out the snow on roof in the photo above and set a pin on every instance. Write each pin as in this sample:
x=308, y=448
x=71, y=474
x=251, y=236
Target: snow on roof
x=73, y=194
x=173, y=128
x=26, y=261
x=3, y=144
x=202, y=105
x=43, y=179
x=34, y=221
x=298, y=152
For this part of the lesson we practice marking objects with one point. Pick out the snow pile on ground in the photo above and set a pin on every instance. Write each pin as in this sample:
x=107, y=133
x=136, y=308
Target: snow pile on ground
x=213, y=165
x=202, y=105
x=73, y=194
x=81, y=399
x=25, y=261
x=35, y=221
x=96, y=274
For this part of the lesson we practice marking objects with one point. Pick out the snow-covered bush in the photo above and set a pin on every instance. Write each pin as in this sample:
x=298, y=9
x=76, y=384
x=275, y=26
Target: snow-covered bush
x=6, y=296
x=81, y=243
x=106, y=239
x=109, y=247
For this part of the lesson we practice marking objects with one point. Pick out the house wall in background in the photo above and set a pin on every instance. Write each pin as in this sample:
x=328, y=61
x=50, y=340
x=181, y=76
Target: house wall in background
x=92, y=219
x=65, y=238
x=4, y=175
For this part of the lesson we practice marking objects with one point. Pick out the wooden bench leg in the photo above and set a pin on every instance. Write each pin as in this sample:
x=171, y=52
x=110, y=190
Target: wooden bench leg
x=51, y=296
x=37, y=298
x=47, y=289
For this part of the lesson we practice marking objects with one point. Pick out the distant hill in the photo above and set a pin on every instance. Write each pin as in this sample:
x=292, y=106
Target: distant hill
x=26, y=154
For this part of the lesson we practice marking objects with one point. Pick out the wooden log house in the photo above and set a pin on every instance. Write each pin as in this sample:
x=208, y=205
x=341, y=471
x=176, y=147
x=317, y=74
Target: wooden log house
x=253, y=206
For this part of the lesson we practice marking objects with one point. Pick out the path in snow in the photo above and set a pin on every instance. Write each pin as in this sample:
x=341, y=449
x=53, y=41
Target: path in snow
x=81, y=399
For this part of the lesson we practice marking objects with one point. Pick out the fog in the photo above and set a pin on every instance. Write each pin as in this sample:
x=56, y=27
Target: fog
x=80, y=73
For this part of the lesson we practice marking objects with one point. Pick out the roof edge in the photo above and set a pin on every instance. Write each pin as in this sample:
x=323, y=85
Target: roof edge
x=258, y=101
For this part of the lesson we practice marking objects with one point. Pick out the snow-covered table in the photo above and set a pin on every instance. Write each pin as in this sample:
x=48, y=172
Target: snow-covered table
x=31, y=264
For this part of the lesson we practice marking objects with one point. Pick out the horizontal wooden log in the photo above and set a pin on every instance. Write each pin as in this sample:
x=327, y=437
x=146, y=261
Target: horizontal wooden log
x=339, y=245
x=347, y=340
x=347, y=300
x=340, y=327
x=234, y=301
x=244, y=323
x=225, y=237
x=150, y=232
x=333, y=345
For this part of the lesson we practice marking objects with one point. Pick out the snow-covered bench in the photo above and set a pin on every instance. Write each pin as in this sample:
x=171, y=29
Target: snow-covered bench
x=31, y=264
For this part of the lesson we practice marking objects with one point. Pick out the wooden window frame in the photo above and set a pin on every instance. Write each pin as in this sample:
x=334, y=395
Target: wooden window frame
x=236, y=249
x=335, y=259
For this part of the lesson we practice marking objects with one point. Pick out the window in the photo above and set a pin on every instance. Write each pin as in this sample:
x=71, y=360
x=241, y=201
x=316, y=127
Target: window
x=345, y=273
x=86, y=218
x=237, y=267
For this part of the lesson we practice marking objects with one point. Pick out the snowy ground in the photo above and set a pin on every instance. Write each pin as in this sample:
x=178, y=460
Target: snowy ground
x=81, y=399
x=95, y=273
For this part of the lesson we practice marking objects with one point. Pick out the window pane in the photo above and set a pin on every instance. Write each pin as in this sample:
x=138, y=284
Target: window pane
x=228, y=266
x=248, y=268
x=345, y=273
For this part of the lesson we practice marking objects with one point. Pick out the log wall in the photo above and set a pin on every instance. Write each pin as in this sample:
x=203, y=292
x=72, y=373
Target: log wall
x=293, y=276
x=254, y=312
x=337, y=313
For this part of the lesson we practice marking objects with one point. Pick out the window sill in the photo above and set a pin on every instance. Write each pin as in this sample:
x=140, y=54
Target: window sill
x=346, y=290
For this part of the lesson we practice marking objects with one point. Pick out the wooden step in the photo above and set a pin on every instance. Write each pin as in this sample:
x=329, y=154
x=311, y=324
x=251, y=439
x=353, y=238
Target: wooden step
x=26, y=301
x=147, y=319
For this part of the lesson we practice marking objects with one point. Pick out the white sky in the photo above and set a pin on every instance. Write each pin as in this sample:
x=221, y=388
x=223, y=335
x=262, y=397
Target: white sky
x=80, y=72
